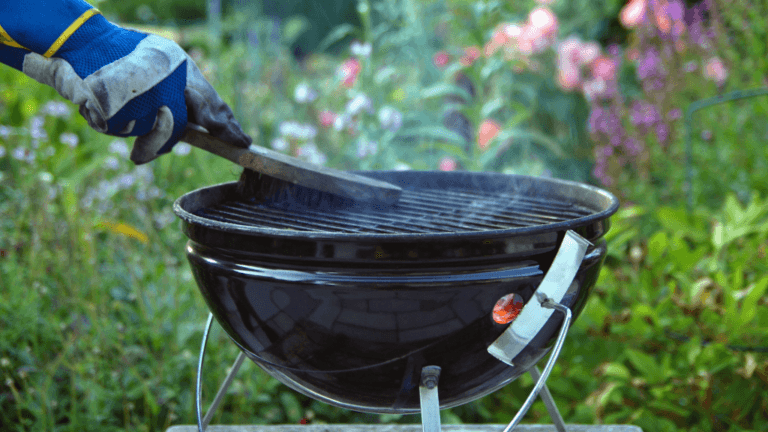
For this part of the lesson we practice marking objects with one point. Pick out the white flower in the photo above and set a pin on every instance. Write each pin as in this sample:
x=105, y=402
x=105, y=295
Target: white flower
x=125, y=181
x=390, y=118
x=359, y=103
x=69, y=139
x=297, y=130
x=360, y=49
x=311, y=154
x=144, y=174
x=182, y=149
x=5, y=132
x=401, y=166
x=36, y=130
x=57, y=109
x=106, y=190
x=304, y=93
x=164, y=219
x=340, y=121
x=279, y=144
x=46, y=177
x=366, y=147
x=24, y=155
x=112, y=163
x=119, y=147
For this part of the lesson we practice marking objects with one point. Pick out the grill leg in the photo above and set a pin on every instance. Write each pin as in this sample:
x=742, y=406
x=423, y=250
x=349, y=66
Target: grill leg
x=430, y=403
x=546, y=397
x=202, y=422
x=540, y=383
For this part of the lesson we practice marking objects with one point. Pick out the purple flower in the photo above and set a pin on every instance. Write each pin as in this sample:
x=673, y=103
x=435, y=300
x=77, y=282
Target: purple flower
x=648, y=64
x=675, y=114
x=690, y=66
x=633, y=146
x=596, y=118
x=662, y=132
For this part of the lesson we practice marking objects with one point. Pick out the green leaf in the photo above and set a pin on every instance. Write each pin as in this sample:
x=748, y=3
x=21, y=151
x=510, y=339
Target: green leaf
x=451, y=149
x=749, y=306
x=294, y=28
x=443, y=89
x=494, y=64
x=646, y=365
x=491, y=107
x=657, y=246
x=336, y=35
x=617, y=370
x=292, y=407
x=439, y=133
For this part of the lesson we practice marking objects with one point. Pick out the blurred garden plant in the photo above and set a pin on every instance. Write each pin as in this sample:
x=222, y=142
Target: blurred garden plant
x=99, y=318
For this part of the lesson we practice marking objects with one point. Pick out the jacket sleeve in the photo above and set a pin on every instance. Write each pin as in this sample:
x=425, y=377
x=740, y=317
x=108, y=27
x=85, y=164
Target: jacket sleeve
x=40, y=26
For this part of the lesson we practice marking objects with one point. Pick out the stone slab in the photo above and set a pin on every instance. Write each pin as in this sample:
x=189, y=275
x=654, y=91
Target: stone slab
x=404, y=428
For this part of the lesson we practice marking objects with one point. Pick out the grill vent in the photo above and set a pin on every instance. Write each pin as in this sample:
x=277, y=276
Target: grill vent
x=419, y=211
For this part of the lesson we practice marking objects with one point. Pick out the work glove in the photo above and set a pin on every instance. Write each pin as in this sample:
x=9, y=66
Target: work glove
x=126, y=83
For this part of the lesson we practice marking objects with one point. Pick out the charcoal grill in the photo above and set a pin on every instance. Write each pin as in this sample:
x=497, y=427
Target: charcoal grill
x=368, y=308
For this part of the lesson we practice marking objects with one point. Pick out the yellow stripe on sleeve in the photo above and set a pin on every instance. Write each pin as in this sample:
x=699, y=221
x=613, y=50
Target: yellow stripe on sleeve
x=70, y=31
x=6, y=39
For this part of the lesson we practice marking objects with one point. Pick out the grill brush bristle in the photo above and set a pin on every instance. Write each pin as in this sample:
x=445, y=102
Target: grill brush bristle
x=261, y=188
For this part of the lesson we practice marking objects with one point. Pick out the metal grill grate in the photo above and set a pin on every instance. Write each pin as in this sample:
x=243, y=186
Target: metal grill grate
x=418, y=212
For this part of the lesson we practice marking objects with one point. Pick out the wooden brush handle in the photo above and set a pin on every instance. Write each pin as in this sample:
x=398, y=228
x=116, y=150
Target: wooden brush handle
x=293, y=170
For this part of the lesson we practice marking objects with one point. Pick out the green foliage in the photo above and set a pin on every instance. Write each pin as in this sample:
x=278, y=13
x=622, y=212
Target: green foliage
x=100, y=320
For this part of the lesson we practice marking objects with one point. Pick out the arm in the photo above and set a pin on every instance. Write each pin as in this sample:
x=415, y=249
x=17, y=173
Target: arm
x=126, y=83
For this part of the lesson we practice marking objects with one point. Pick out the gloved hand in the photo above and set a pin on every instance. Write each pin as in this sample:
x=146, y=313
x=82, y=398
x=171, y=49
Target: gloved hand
x=126, y=83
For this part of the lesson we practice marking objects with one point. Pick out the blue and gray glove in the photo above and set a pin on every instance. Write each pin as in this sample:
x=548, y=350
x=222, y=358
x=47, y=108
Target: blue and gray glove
x=126, y=83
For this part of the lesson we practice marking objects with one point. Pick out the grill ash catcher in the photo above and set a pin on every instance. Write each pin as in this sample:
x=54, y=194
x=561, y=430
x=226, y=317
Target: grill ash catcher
x=457, y=290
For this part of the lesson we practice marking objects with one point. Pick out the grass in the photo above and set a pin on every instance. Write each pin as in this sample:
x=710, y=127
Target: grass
x=100, y=320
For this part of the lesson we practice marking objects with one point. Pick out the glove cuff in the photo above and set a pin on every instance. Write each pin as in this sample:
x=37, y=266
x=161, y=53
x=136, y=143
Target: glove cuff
x=42, y=26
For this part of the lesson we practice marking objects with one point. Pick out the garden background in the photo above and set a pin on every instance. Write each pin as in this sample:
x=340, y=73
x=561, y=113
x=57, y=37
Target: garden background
x=100, y=320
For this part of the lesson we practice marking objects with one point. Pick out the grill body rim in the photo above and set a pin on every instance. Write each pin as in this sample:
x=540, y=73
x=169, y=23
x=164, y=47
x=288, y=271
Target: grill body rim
x=587, y=195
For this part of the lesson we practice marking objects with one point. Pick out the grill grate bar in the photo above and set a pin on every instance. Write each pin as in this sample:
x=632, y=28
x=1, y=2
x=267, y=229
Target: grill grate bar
x=418, y=211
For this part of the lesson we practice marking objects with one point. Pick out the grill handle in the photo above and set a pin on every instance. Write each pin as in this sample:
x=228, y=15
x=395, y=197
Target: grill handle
x=535, y=313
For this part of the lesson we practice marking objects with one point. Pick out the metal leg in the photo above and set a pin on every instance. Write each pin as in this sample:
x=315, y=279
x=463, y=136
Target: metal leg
x=547, y=303
x=202, y=422
x=430, y=403
x=546, y=397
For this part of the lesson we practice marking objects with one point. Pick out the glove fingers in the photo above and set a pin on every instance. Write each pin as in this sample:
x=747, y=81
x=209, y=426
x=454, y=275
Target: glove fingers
x=206, y=108
x=148, y=147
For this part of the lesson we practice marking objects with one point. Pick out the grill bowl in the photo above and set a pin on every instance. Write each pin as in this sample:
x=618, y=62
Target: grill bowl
x=347, y=304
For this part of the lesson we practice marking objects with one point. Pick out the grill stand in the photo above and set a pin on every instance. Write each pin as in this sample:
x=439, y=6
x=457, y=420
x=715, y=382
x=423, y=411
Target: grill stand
x=428, y=388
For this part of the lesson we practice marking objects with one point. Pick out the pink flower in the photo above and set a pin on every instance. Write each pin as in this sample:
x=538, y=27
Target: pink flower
x=499, y=38
x=544, y=21
x=447, y=164
x=661, y=13
x=470, y=55
x=633, y=13
x=568, y=77
x=588, y=52
x=715, y=70
x=441, y=59
x=604, y=68
x=327, y=118
x=348, y=71
x=488, y=131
